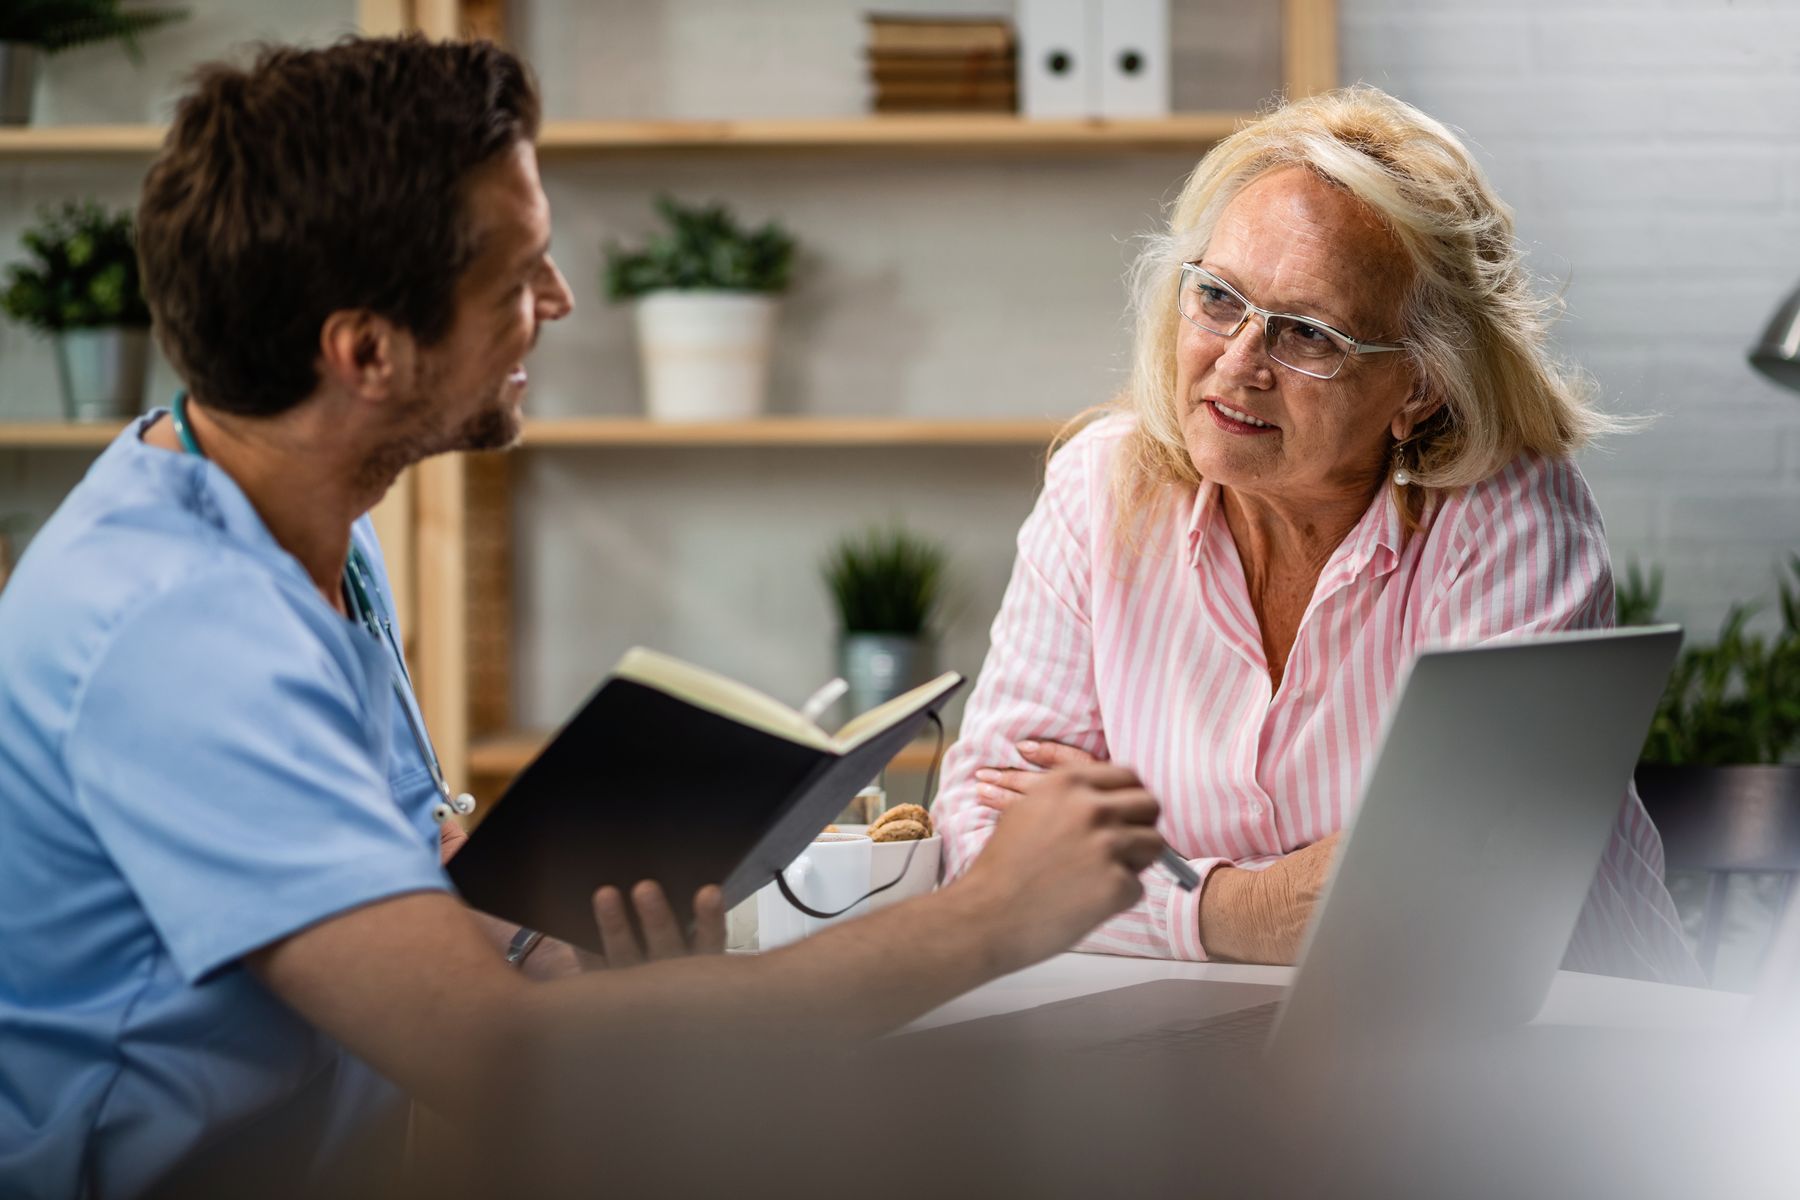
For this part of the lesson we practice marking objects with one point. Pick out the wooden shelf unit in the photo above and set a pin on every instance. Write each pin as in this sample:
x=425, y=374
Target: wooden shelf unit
x=439, y=525
x=448, y=662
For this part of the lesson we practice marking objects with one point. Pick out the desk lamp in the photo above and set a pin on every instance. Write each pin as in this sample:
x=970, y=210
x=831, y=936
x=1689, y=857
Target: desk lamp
x=1777, y=354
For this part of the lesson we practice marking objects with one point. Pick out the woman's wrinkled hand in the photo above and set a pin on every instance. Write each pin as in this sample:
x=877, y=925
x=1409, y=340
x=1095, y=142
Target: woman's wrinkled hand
x=998, y=787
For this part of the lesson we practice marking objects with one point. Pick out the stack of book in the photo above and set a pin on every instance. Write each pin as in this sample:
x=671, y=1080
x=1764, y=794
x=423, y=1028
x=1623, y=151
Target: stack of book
x=942, y=64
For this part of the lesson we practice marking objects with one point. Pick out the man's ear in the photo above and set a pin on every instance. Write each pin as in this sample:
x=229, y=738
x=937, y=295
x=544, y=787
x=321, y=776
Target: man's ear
x=364, y=354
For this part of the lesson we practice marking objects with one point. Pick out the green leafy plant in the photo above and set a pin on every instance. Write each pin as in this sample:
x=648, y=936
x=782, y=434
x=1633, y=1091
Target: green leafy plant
x=83, y=272
x=886, y=580
x=57, y=25
x=704, y=249
x=1734, y=701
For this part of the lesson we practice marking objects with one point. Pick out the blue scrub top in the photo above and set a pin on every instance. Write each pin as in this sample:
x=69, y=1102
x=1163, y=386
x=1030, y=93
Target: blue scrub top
x=198, y=757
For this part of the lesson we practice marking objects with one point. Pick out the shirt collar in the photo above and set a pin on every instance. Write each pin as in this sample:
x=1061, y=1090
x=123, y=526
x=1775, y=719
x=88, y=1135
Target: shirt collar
x=1200, y=519
x=209, y=493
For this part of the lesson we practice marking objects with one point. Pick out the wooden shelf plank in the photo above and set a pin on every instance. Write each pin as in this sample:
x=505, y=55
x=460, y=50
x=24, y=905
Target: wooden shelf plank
x=927, y=131
x=57, y=434
x=62, y=141
x=788, y=431
x=924, y=131
x=505, y=755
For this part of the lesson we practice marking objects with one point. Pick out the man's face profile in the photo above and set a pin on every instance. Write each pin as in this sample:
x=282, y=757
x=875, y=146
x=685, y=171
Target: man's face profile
x=472, y=382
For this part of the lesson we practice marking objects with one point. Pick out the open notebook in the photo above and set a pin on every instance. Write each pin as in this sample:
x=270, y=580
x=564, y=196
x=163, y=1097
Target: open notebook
x=673, y=773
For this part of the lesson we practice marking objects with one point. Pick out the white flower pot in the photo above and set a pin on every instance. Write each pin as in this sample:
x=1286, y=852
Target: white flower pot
x=705, y=355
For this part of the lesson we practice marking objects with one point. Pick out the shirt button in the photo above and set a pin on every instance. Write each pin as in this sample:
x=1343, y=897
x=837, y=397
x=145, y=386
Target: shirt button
x=1256, y=808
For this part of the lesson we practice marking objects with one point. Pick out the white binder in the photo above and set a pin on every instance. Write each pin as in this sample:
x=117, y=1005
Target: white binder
x=1133, y=57
x=1058, y=74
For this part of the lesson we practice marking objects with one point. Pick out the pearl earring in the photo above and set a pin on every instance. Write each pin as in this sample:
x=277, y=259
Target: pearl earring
x=1402, y=476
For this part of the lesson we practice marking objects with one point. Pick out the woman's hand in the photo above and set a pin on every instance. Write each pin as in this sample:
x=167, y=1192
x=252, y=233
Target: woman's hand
x=662, y=934
x=998, y=787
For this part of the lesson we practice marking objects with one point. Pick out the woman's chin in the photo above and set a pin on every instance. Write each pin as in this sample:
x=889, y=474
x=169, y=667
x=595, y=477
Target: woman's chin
x=1226, y=460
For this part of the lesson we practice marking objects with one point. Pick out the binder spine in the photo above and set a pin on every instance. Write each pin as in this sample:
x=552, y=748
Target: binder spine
x=1132, y=58
x=1057, y=72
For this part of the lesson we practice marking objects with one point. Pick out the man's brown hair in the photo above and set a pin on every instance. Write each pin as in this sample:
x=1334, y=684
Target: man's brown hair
x=314, y=181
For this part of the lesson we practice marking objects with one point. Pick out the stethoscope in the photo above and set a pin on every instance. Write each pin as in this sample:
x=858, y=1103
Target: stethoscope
x=365, y=607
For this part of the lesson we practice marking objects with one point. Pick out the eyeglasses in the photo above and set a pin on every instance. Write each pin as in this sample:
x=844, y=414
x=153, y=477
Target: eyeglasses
x=1298, y=343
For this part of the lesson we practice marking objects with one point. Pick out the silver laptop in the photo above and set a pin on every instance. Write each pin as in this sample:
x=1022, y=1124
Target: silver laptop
x=1456, y=889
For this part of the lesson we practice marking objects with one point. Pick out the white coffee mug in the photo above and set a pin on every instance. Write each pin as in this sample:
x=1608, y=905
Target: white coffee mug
x=838, y=872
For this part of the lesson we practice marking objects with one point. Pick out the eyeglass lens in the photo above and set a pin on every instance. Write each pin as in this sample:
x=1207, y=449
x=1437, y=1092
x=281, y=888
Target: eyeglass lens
x=1290, y=341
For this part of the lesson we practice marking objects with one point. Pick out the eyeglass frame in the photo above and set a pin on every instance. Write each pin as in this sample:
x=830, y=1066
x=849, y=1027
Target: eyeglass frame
x=1353, y=346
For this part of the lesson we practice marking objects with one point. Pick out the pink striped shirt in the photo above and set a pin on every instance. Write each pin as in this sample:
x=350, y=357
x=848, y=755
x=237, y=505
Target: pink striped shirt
x=1156, y=661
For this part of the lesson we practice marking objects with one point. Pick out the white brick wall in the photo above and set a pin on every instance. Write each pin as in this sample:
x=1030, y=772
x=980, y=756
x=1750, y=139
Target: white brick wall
x=1652, y=153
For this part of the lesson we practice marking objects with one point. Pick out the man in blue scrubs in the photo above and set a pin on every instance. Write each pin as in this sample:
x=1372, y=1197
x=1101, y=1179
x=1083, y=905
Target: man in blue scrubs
x=227, y=945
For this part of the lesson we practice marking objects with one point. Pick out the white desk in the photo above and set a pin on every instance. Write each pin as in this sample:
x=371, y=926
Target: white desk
x=1690, y=1108
x=1640, y=1116
x=1575, y=999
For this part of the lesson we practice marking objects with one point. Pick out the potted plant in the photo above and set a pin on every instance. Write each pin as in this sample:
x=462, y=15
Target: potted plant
x=706, y=293
x=81, y=286
x=1720, y=769
x=888, y=585
x=30, y=29
x=1734, y=702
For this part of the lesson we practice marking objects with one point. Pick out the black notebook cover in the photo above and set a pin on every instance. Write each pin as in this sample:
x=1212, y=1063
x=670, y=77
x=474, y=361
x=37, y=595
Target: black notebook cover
x=643, y=785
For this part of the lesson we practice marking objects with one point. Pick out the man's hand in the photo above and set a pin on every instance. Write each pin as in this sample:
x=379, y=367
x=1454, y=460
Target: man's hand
x=451, y=836
x=997, y=787
x=1261, y=916
x=662, y=934
x=1065, y=858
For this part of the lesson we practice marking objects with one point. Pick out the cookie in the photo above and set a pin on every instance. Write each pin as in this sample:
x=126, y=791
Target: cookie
x=902, y=812
x=899, y=831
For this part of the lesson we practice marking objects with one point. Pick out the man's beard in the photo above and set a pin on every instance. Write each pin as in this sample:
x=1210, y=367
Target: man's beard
x=496, y=425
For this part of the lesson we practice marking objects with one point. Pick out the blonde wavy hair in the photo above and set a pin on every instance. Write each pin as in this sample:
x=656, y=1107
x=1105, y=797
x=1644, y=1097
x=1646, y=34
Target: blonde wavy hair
x=1475, y=322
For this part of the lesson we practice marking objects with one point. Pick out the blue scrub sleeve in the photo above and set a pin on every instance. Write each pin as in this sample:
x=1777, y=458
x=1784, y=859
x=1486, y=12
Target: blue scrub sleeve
x=229, y=751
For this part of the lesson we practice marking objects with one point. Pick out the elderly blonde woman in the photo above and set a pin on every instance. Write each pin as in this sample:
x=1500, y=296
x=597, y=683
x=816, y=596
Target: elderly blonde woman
x=1344, y=438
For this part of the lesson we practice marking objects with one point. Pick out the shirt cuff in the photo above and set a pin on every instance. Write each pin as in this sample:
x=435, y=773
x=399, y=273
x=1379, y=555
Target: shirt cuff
x=1181, y=914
